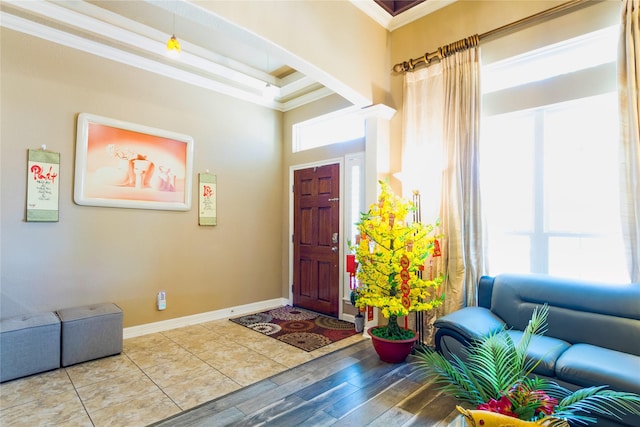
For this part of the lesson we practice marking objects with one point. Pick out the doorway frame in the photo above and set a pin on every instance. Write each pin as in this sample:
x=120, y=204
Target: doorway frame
x=292, y=169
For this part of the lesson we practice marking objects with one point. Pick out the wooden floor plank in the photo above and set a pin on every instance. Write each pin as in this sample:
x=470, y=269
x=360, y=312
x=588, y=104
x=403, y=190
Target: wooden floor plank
x=373, y=368
x=294, y=385
x=369, y=391
x=352, y=353
x=383, y=401
x=242, y=395
x=393, y=417
x=350, y=387
x=270, y=412
x=196, y=418
x=319, y=419
x=315, y=405
x=437, y=409
x=420, y=397
x=338, y=377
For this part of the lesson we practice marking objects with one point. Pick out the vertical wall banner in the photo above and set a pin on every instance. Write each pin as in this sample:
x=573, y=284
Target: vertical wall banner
x=43, y=169
x=208, y=194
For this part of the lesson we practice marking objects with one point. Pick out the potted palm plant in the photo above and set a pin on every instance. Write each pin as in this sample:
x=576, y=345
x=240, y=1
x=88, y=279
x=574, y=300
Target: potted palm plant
x=391, y=253
x=496, y=380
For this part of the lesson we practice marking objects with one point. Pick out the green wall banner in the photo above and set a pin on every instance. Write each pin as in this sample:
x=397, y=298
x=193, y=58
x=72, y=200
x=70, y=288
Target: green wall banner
x=208, y=193
x=43, y=170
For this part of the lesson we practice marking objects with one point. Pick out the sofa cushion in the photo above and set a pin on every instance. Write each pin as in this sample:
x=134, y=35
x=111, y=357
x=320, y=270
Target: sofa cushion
x=588, y=365
x=608, y=315
x=545, y=349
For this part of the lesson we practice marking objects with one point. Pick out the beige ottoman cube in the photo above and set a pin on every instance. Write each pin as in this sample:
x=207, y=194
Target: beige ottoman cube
x=90, y=332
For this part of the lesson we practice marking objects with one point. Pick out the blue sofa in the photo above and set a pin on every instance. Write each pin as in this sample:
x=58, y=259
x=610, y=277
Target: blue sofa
x=593, y=335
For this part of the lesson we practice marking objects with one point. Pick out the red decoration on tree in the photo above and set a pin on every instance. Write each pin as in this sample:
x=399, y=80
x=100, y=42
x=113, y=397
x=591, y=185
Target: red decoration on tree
x=405, y=289
x=352, y=267
x=404, y=262
x=405, y=276
x=406, y=302
x=436, y=248
x=351, y=263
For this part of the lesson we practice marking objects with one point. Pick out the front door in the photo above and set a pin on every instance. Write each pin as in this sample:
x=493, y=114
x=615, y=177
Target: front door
x=316, y=207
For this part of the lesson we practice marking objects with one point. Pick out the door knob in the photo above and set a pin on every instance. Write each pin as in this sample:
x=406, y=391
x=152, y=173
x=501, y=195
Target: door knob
x=334, y=249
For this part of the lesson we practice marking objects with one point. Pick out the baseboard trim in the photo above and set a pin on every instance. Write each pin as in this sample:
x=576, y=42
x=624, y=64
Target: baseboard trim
x=225, y=313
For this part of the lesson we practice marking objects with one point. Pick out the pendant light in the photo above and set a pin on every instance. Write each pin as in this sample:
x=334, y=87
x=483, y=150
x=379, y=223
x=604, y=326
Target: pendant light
x=173, y=45
x=269, y=92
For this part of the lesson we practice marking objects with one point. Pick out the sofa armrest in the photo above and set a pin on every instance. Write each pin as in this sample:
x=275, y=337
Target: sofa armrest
x=467, y=324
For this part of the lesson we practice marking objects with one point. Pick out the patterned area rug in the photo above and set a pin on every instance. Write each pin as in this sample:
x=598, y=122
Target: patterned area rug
x=301, y=328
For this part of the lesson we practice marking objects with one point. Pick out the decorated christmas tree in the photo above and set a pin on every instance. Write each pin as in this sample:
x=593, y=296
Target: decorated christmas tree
x=391, y=252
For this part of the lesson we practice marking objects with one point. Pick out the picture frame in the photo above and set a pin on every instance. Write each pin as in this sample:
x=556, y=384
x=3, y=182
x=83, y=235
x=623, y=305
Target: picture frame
x=127, y=165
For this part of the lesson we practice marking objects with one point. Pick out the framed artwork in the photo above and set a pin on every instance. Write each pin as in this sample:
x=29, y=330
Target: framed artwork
x=208, y=189
x=43, y=170
x=125, y=165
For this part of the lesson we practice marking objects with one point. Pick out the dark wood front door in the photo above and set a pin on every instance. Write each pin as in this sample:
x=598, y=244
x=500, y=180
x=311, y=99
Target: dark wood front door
x=316, y=207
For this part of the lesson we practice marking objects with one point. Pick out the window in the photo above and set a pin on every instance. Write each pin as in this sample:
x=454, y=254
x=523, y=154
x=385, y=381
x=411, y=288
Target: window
x=341, y=126
x=549, y=166
x=353, y=205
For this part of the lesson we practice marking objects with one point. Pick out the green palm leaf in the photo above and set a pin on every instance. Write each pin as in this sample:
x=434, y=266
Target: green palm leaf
x=537, y=326
x=495, y=363
x=495, y=366
x=598, y=400
x=454, y=377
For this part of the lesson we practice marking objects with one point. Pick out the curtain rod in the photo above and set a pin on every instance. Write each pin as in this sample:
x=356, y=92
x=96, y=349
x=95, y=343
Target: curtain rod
x=445, y=51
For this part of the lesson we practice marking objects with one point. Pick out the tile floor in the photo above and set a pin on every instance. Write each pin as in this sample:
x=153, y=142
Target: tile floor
x=156, y=376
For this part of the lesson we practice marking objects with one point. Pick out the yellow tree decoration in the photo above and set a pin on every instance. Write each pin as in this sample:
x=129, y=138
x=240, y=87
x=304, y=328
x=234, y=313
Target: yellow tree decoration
x=391, y=254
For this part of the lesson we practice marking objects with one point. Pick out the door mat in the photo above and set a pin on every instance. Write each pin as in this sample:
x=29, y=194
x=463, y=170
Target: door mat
x=298, y=327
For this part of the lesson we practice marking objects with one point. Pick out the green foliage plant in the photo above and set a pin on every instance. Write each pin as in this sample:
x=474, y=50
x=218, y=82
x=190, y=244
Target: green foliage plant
x=498, y=377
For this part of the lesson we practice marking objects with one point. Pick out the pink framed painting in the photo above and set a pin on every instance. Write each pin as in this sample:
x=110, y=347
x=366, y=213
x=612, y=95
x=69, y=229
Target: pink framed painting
x=126, y=165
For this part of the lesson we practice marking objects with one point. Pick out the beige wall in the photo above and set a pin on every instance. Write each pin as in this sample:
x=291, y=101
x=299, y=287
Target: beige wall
x=335, y=37
x=127, y=255
x=96, y=254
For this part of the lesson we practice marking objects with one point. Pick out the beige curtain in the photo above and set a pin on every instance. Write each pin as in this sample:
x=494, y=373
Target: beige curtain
x=629, y=83
x=441, y=115
x=461, y=205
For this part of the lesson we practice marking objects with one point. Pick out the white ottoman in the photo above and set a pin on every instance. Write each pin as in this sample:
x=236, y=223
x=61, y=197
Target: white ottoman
x=90, y=332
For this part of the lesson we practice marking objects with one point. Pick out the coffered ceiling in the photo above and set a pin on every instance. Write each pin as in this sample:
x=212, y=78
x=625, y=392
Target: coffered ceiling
x=396, y=7
x=216, y=55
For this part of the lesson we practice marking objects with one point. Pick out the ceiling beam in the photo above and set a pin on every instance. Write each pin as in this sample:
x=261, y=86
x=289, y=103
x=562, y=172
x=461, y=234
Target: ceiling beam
x=120, y=39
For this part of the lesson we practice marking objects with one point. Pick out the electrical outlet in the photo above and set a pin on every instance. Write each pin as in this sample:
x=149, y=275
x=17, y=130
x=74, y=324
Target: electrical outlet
x=162, y=300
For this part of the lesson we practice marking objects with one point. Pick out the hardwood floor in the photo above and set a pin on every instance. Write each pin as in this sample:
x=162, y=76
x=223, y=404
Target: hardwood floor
x=350, y=387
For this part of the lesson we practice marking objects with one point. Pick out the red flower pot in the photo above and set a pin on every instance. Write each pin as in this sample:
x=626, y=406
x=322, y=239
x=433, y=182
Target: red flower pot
x=392, y=351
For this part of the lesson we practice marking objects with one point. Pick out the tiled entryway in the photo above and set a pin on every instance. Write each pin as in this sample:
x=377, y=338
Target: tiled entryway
x=156, y=376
